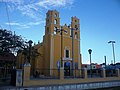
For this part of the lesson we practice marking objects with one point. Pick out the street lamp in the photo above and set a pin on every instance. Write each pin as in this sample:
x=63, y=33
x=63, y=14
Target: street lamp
x=90, y=51
x=30, y=45
x=113, y=49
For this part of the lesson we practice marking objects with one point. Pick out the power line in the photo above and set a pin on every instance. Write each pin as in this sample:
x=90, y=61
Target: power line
x=0, y=25
x=7, y=15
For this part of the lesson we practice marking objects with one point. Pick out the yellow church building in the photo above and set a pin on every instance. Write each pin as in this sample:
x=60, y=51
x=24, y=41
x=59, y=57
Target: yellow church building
x=60, y=47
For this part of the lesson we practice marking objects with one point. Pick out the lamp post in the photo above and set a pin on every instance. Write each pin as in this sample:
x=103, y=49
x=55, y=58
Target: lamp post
x=30, y=45
x=90, y=51
x=112, y=42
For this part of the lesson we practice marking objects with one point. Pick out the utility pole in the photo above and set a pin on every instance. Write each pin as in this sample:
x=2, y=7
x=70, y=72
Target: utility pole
x=105, y=61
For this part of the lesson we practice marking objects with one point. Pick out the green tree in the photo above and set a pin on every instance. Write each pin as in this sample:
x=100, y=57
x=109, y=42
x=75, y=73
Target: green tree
x=10, y=43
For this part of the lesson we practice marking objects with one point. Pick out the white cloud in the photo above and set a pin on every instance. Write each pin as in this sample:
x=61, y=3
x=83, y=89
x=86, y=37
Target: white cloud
x=18, y=25
x=25, y=25
x=33, y=8
x=13, y=24
x=54, y=3
x=28, y=11
x=35, y=23
x=13, y=1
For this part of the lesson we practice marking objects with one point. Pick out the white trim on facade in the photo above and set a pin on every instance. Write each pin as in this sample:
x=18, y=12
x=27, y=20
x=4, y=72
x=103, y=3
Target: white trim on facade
x=64, y=58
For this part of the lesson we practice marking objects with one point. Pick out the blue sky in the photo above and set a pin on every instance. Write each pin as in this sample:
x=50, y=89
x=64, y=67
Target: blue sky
x=99, y=21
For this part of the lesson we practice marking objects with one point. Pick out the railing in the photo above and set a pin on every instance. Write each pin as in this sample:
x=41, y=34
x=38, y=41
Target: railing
x=94, y=73
x=79, y=73
x=70, y=73
x=45, y=73
x=76, y=73
x=5, y=74
x=111, y=73
x=55, y=73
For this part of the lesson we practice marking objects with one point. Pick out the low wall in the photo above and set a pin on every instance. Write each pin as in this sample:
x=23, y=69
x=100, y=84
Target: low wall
x=75, y=82
x=79, y=86
x=67, y=81
x=69, y=86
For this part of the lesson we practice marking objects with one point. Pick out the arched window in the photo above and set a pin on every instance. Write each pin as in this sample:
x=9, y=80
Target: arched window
x=76, y=26
x=66, y=32
x=75, y=20
x=67, y=53
x=55, y=30
x=75, y=35
x=55, y=21
x=55, y=15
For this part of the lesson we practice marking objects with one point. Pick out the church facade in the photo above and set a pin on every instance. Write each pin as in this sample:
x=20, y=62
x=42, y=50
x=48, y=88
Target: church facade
x=60, y=47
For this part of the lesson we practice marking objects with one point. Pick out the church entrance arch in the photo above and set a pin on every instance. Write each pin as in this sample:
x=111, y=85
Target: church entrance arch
x=67, y=68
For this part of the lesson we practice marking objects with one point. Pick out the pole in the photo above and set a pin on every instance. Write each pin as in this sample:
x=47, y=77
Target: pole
x=72, y=51
x=113, y=49
x=29, y=53
x=61, y=50
x=113, y=52
x=90, y=51
x=14, y=41
x=105, y=61
x=90, y=66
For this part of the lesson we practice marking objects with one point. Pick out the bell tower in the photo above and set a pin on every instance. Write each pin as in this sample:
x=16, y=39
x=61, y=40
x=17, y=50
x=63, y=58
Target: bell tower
x=52, y=22
x=75, y=25
x=52, y=27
